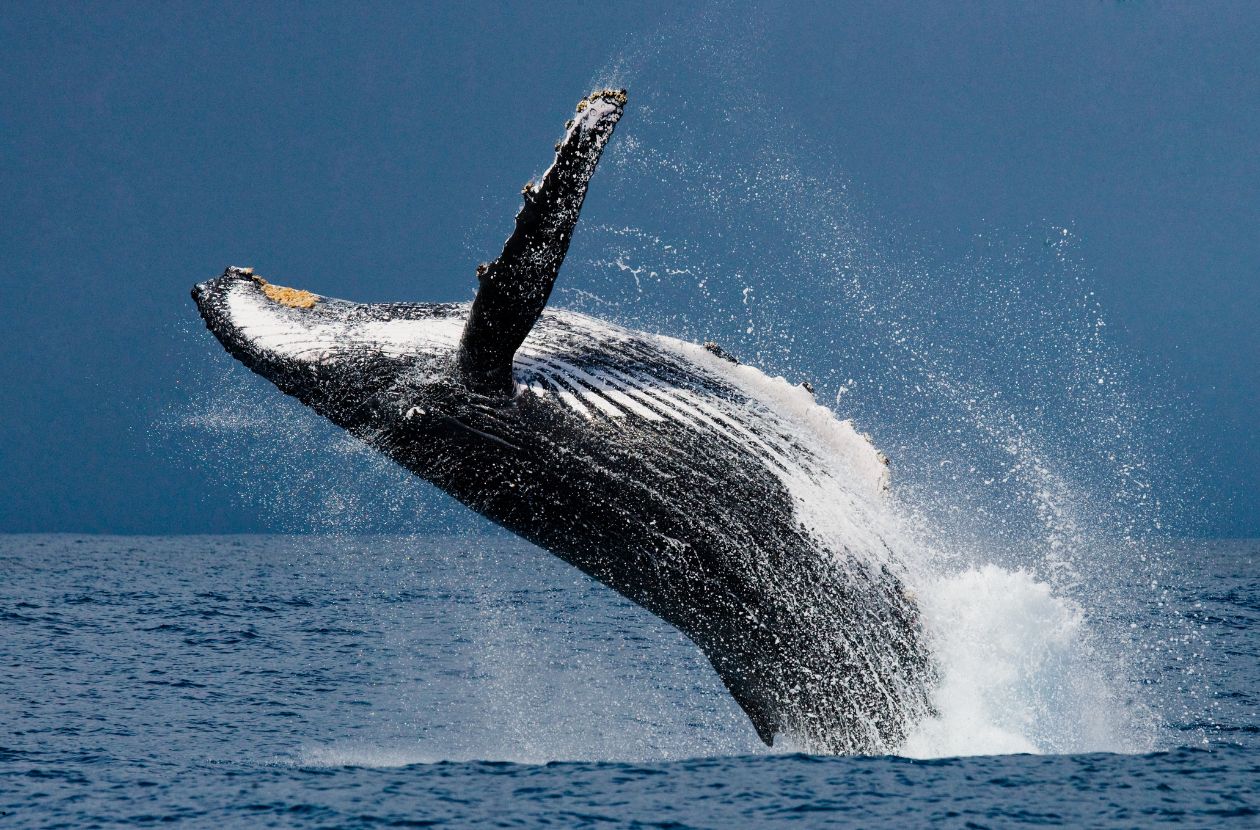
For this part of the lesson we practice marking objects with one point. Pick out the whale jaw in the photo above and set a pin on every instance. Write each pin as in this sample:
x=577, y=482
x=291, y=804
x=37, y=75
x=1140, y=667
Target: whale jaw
x=335, y=356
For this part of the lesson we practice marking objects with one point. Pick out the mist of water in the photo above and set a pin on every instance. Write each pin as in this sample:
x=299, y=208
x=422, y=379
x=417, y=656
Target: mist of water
x=1027, y=459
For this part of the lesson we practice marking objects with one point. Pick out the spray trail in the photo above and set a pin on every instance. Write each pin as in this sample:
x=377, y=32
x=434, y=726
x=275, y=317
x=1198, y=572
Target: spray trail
x=1026, y=461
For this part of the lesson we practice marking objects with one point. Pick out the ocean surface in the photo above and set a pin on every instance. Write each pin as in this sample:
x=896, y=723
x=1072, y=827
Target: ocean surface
x=290, y=681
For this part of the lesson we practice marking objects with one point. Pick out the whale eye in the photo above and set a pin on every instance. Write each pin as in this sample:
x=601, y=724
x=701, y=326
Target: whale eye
x=291, y=297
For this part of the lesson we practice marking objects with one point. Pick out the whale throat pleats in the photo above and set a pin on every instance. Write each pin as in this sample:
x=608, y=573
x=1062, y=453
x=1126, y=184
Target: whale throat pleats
x=515, y=287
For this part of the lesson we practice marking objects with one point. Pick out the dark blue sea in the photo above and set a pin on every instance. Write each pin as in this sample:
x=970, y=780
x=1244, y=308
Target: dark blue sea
x=429, y=681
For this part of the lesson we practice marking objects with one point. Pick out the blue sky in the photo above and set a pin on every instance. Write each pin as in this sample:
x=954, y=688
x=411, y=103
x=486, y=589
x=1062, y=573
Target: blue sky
x=375, y=152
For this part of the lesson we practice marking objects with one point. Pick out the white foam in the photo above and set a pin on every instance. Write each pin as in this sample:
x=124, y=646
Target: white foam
x=372, y=757
x=1016, y=671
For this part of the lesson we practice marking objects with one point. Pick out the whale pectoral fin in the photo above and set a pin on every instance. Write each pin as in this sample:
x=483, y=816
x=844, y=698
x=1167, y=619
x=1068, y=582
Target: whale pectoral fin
x=515, y=287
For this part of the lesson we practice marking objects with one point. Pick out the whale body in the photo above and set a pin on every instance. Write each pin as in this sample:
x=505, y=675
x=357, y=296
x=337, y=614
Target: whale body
x=726, y=502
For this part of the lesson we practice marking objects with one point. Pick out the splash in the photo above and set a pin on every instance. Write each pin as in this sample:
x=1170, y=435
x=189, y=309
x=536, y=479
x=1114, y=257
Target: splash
x=1018, y=672
x=1025, y=487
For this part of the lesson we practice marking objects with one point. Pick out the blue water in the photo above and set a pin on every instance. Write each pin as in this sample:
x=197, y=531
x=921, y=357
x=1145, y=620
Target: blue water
x=387, y=681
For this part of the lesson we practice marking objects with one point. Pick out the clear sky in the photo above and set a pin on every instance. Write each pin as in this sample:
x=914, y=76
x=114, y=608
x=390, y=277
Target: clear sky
x=375, y=151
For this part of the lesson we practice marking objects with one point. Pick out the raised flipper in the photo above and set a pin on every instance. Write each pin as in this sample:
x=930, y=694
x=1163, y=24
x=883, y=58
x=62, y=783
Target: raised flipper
x=514, y=288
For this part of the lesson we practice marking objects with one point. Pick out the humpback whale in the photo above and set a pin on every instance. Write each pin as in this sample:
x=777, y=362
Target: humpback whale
x=725, y=502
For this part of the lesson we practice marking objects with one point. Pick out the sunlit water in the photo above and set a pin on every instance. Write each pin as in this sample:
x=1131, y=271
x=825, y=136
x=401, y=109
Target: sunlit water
x=416, y=681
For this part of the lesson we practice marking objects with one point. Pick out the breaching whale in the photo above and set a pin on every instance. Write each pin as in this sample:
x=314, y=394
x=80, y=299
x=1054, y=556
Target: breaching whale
x=727, y=503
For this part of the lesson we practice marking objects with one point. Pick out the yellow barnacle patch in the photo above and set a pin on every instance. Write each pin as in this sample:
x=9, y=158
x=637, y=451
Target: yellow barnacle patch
x=291, y=297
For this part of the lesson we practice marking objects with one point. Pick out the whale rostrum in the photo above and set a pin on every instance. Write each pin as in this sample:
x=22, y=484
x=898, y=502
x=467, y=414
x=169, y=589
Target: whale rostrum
x=725, y=502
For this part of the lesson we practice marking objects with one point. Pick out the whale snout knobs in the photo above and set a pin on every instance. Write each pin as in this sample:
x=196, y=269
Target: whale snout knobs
x=617, y=97
x=515, y=288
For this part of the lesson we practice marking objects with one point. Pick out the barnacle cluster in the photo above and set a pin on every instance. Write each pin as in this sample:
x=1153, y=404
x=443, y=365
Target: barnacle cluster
x=291, y=297
x=616, y=96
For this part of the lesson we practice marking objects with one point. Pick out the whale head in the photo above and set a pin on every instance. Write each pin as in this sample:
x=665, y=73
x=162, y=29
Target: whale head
x=343, y=359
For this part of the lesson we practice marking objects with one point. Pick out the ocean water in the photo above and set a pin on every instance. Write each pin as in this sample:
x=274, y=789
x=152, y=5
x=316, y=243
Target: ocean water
x=368, y=681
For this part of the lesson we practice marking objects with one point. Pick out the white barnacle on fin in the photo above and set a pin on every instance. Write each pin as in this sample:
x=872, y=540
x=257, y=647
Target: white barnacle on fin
x=596, y=106
x=413, y=412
